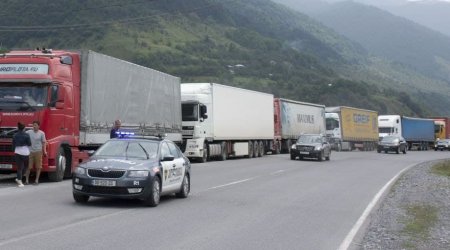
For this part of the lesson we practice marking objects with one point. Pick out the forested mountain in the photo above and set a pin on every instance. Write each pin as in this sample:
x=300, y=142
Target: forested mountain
x=256, y=44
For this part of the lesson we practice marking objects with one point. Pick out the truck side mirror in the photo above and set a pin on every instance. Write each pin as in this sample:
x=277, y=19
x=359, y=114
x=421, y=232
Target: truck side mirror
x=203, y=111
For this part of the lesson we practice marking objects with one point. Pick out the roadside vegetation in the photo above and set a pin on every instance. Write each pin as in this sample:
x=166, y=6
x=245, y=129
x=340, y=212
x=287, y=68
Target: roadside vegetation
x=420, y=219
x=442, y=168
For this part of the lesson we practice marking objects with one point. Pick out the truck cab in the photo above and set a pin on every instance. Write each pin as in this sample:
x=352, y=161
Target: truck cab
x=389, y=125
x=41, y=85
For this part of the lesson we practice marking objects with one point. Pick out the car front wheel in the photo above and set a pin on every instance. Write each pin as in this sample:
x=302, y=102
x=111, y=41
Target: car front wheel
x=80, y=198
x=153, y=199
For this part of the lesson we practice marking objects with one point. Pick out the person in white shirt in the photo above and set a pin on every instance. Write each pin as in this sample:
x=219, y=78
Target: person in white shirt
x=38, y=149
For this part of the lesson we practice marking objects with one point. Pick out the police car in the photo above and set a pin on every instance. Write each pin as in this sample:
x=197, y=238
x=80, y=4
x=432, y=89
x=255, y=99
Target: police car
x=133, y=168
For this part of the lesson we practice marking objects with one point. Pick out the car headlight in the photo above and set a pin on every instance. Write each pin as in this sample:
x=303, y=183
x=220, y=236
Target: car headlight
x=294, y=146
x=80, y=171
x=138, y=173
x=317, y=148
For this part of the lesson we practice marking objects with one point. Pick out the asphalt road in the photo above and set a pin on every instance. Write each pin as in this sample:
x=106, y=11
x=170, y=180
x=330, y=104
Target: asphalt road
x=263, y=203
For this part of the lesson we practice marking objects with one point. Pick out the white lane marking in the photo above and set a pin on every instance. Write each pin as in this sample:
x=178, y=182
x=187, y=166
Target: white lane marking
x=351, y=235
x=278, y=172
x=231, y=183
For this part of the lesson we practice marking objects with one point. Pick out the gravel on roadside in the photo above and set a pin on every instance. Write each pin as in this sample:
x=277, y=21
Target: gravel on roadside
x=391, y=226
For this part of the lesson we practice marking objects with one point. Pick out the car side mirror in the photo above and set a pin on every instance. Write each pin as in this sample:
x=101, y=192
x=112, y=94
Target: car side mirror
x=168, y=158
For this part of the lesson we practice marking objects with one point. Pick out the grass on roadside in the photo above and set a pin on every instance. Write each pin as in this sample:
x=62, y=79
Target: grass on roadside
x=442, y=168
x=420, y=219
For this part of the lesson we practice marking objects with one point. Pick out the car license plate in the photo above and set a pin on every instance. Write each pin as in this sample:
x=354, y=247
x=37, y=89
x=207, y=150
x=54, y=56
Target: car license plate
x=104, y=183
x=304, y=153
x=6, y=166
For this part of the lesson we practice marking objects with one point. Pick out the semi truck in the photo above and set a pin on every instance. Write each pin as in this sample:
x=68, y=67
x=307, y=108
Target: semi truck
x=76, y=96
x=442, y=127
x=221, y=121
x=351, y=128
x=293, y=118
x=418, y=132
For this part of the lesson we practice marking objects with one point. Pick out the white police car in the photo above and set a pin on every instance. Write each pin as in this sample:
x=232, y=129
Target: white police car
x=133, y=168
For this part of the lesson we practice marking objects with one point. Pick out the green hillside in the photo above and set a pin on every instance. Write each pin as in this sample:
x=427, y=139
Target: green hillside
x=254, y=44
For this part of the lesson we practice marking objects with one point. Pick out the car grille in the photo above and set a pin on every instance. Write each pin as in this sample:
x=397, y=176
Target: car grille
x=305, y=148
x=109, y=174
x=105, y=190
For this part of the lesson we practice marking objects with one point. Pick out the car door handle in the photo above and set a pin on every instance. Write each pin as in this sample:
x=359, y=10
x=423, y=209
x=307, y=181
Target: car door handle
x=174, y=165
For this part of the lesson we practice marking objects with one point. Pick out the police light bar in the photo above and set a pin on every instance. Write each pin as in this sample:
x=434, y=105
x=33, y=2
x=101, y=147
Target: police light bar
x=124, y=134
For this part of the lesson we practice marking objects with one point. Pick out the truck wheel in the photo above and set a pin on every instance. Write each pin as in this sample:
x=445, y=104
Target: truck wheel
x=185, y=188
x=255, y=149
x=261, y=149
x=205, y=154
x=223, y=151
x=80, y=198
x=60, y=160
x=250, y=149
x=153, y=199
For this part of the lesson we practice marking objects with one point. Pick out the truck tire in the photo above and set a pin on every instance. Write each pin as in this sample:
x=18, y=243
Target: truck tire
x=60, y=161
x=261, y=149
x=80, y=198
x=250, y=149
x=185, y=188
x=204, y=158
x=223, y=151
x=255, y=149
x=155, y=194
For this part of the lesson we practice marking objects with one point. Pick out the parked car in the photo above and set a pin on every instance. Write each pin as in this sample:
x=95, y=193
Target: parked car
x=311, y=146
x=443, y=144
x=393, y=143
x=133, y=168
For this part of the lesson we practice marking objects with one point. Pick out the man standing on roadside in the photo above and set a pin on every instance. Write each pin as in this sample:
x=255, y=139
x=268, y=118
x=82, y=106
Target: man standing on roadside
x=38, y=149
x=115, y=129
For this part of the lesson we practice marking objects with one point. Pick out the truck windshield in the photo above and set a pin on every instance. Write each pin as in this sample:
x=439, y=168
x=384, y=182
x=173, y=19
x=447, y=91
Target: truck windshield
x=16, y=96
x=189, y=112
x=385, y=130
x=331, y=123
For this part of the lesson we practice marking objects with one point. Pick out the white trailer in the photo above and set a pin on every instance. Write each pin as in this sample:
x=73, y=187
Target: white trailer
x=293, y=118
x=221, y=121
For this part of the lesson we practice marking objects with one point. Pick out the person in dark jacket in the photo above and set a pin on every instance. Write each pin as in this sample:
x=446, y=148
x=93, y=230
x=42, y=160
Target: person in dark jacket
x=21, y=142
x=115, y=129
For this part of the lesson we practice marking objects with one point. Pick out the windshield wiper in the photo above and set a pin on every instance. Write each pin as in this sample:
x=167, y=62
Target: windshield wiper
x=145, y=151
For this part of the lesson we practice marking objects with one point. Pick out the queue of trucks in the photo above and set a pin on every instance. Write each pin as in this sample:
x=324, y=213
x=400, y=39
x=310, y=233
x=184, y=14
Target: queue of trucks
x=76, y=95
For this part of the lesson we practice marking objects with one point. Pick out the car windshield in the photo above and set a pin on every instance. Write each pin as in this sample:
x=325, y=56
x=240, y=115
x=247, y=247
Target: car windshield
x=310, y=139
x=390, y=139
x=129, y=149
